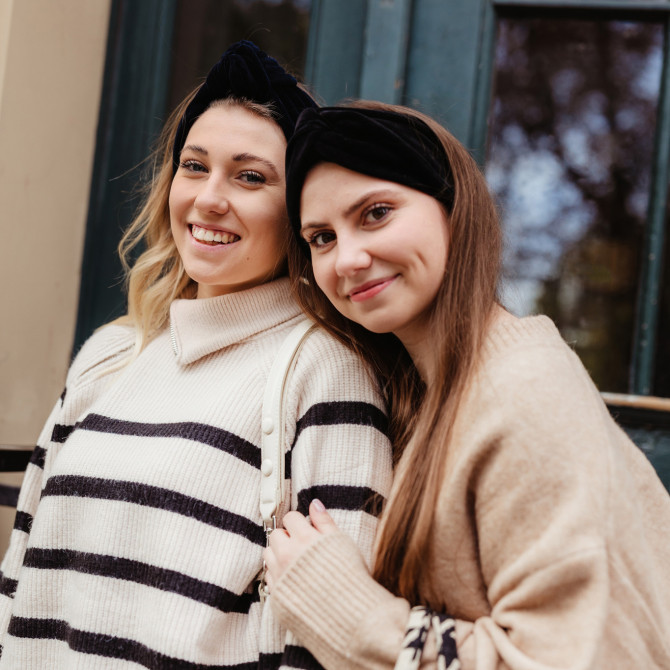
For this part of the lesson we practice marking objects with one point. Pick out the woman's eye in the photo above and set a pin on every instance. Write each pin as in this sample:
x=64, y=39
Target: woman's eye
x=377, y=213
x=192, y=166
x=319, y=240
x=252, y=177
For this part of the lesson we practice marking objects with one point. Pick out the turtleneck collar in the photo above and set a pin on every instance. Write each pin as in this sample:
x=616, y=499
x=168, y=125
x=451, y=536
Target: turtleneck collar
x=200, y=327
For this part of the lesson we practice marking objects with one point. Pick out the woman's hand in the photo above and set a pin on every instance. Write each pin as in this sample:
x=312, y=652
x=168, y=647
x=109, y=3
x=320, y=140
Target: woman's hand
x=297, y=535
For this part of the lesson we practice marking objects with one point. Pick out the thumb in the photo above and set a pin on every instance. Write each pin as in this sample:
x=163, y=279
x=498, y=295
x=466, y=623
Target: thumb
x=320, y=518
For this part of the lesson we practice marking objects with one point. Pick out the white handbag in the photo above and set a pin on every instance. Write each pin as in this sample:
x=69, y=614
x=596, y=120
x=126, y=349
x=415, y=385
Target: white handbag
x=272, y=428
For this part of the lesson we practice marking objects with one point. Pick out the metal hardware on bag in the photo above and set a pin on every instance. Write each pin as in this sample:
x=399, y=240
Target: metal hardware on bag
x=268, y=528
x=263, y=590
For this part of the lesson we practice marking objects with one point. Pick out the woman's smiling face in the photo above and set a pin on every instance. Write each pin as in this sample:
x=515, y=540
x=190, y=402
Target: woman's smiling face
x=227, y=201
x=379, y=249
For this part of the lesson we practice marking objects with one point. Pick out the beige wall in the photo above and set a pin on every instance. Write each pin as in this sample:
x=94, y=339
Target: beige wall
x=51, y=67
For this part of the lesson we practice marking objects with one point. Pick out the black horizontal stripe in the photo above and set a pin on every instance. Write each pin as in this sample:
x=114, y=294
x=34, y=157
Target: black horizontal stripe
x=37, y=457
x=269, y=661
x=335, y=496
x=330, y=413
x=108, y=646
x=142, y=573
x=14, y=460
x=187, y=430
x=293, y=656
x=287, y=464
x=23, y=521
x=9, y=495
x=60, y=433
x=7, y=586
x=299, y=657
x=154, y=496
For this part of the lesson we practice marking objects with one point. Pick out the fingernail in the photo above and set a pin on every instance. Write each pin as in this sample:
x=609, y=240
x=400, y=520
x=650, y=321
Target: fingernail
x=318, y=505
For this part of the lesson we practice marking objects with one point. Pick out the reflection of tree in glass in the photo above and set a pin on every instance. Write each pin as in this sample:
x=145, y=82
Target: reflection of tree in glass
x=572, y=133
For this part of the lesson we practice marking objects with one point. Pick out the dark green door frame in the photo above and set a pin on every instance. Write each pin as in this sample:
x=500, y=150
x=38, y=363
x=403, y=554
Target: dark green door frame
x=132, y=107
x=429, y=54
x=646, y=327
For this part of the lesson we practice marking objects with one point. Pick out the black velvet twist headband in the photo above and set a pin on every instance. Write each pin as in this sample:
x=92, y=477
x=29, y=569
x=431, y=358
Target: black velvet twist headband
x=244, y=71
x=387, y=145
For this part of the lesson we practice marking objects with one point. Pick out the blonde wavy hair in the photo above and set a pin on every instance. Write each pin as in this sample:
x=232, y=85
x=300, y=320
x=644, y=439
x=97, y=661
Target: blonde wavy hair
x=157, y=276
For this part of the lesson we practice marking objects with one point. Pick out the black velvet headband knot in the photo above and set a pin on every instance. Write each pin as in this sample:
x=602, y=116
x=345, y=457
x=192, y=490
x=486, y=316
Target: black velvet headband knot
x=387, y=145
x=244, y=71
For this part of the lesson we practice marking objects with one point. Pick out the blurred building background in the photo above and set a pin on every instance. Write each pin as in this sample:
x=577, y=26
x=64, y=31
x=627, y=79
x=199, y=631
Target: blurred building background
x=565, y=104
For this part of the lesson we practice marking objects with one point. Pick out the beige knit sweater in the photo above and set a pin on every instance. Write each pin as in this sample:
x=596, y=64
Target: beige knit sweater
x=552, y=534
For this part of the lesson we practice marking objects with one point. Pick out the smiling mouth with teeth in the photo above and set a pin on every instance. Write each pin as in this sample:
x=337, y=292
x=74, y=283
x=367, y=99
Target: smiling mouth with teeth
x=212, y=237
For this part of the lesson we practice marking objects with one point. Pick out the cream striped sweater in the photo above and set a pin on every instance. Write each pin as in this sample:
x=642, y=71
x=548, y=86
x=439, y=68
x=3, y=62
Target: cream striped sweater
x=138, y=541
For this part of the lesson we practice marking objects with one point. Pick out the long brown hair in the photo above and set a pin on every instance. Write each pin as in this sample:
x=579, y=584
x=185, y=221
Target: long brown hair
x=421, y=418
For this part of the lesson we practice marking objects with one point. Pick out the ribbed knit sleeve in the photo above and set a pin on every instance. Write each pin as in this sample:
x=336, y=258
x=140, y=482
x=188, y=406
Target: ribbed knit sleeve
x=340, y=453
x=336, y=609
x=87, y=377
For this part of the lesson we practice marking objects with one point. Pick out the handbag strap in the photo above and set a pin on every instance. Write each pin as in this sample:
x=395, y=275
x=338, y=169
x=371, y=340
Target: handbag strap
x=421, y=620
x=272, y=424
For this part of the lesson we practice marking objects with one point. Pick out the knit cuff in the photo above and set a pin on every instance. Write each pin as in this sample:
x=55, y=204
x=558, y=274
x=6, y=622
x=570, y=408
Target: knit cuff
x=327, y=596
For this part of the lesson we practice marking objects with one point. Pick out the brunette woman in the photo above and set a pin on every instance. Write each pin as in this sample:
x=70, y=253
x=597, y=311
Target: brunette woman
x=138, y=539
x=524, y=529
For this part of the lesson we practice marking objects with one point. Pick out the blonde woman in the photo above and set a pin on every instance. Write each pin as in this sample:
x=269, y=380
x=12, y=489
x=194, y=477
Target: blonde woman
x=524, y=530
x=138, y=539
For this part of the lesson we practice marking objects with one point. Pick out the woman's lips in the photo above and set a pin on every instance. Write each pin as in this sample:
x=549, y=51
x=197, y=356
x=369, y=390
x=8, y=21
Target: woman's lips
x=370, y=289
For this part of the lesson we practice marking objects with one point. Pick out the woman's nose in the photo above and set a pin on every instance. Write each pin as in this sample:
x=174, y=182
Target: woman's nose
x=212, y=197
x=352, y=256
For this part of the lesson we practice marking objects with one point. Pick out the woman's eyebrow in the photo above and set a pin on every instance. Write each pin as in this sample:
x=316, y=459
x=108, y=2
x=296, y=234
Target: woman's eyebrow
x=238, y=158
x=312, y=226
x=196, y=148
x=372, y=195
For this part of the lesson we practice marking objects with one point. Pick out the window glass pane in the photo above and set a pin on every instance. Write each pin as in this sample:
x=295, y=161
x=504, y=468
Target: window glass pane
x=205, y=28
x=572, y=134
x=662, y=366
